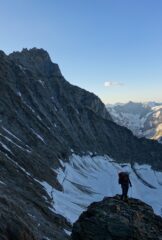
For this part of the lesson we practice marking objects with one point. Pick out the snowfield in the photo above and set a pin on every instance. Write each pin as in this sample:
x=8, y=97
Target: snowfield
x=90, y=178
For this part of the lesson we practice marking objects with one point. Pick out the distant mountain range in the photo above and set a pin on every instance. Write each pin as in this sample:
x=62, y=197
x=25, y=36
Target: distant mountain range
x=143, y=119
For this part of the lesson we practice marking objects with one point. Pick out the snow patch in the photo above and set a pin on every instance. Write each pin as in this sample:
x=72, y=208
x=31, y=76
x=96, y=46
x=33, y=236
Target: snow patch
x=2, y=183
x=22, y=68
x=20, y=147
x=38, y=136
x=41, y=82
x=67, y=232
x=10, y=133
x=19, y=93
x=18, y=165
x=5, y=147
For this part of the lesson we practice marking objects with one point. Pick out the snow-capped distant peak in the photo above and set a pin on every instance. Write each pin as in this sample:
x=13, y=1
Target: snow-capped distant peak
x=143, y=119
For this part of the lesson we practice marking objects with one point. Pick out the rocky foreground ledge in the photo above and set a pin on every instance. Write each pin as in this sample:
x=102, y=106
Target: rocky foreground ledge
x=114, y=219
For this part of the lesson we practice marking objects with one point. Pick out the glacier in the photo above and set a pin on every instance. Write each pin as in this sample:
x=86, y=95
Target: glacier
x=87, y=179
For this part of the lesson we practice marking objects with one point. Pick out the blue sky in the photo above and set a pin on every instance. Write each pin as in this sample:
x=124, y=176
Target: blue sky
x=110, y=47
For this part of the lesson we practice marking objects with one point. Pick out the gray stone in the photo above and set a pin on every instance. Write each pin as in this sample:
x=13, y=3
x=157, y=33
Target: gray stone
x=132, y=220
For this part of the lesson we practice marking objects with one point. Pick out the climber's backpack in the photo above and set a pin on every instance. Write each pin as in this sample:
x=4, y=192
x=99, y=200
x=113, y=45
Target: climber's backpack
x=123, y=178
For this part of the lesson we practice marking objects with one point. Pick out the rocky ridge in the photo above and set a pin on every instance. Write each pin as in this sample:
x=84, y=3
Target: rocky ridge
x=113, y=219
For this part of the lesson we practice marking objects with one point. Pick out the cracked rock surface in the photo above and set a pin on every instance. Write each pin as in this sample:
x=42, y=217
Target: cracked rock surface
x=114, y=219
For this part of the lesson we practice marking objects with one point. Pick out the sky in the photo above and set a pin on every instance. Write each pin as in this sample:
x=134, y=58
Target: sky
x=112, y=48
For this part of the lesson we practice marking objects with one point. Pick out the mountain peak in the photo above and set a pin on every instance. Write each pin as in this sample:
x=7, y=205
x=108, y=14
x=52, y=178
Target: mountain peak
x=33, y=53
x=36, y=60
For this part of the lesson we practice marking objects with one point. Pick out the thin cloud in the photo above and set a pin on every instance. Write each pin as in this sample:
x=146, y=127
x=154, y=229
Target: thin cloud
x=109, y=84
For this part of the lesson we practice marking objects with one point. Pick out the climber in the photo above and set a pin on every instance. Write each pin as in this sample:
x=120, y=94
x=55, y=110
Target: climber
x=125, y=183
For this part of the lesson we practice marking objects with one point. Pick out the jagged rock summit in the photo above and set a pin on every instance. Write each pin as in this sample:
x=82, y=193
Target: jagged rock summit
x=114, y=219
x=35, y=60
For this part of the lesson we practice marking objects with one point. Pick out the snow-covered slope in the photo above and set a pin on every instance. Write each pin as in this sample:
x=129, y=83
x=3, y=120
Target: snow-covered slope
x=143, y=119
x=90, y=178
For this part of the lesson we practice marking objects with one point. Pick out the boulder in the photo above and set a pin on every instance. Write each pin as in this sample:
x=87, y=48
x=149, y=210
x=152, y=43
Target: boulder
x=114, y=219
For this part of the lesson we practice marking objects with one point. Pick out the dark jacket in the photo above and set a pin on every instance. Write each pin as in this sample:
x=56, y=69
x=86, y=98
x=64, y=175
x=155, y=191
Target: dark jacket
x=124, y=179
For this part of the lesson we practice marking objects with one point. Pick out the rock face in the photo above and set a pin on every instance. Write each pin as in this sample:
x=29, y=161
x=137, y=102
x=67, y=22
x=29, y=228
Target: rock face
x=143, y=119
x=113, y=219
x=43, y=119
x=41, y=112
